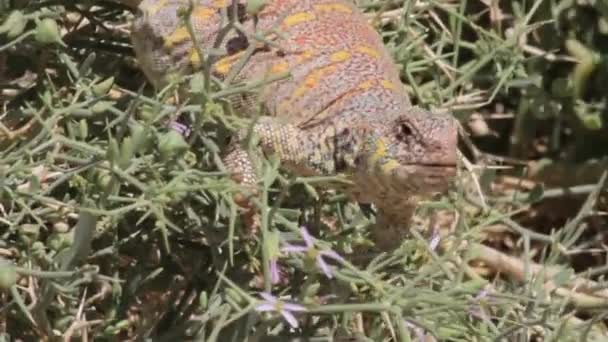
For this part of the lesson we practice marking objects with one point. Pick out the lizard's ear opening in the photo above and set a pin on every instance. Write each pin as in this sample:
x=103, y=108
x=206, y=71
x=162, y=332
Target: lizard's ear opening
x=405, y=130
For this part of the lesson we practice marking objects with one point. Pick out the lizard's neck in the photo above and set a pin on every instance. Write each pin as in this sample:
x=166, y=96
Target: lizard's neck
x=346, y=143
x=331, y=150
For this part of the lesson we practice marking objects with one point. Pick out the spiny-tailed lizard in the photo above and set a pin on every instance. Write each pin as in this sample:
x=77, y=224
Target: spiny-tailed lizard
x=343, y=110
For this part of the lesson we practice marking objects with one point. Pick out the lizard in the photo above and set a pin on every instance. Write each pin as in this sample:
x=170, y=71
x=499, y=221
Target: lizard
x=342, y=110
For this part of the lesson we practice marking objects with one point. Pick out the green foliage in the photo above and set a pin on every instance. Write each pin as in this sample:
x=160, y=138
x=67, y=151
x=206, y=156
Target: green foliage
x=115, y=226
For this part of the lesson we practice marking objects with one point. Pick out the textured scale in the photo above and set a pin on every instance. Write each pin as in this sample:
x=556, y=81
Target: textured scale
x=342, y=110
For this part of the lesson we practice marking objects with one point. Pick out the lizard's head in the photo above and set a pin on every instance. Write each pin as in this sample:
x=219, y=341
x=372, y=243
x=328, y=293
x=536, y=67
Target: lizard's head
x=414, y=154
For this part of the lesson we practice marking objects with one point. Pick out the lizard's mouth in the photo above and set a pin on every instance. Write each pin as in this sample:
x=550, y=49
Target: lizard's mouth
x=425, y=178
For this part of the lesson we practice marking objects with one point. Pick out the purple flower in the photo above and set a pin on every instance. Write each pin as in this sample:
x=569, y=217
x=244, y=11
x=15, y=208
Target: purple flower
x=272, y=243
x=275, y=275
x=434, y=240
x=180, y=128
x=314, y=253
x=420, y=334
x=483, y=299
x=272, y=303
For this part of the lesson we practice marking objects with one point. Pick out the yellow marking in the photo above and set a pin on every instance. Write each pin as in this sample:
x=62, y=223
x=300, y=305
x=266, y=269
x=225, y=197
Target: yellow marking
x=305, y=55
x=223, y=68
x=220, y=3
x=180, y=35
x=279, y=68
x=312, y=80
x=195, y=58
x=390, y=165
x=366, y=84
x=151, y=10
x=368, y=51
x=298, y=18
x=379, y=153
x=224, y=65
x=339, y=56
x=203, y=13
x=387, y=84
x=336, y=7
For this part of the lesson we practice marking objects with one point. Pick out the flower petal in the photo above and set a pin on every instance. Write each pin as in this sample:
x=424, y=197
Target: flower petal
x=324, y=267
x=307, y=237
x=434, y=242
x=265, y=307
x=267, y=296
x=294, y=249
x=180, y=128
x=290, y=318
x=275, y=276
x=293, y=307
x=482, y=294
x=333, y=255
x=417, y=330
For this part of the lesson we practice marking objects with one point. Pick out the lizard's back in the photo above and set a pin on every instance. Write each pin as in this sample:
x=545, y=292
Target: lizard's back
x=340, y=69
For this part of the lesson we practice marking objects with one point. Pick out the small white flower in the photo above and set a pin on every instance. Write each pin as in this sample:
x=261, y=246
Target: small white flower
x=315, y=253
x=272, y=303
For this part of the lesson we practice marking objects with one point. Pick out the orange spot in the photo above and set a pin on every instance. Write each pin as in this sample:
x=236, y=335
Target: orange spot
x=224, y=65
x=368, y=51
x=298, y=18
x=203, y=13
x=335, y=7
x=223, y=68
x=312, y=80
x=279, y=68
x=366, y=84
x=220, y=3
x=303, y=56
x=301, y=40
x=180, y=35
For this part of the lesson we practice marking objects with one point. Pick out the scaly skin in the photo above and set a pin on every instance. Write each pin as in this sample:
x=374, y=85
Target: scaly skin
x=343, y=110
